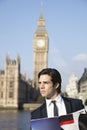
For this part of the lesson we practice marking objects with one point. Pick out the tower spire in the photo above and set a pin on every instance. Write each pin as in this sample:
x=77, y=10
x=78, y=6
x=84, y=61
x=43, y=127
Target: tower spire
x=41, y=7
x=41, y=21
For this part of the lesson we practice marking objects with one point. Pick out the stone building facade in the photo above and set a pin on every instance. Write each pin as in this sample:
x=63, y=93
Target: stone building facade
x=14, y=88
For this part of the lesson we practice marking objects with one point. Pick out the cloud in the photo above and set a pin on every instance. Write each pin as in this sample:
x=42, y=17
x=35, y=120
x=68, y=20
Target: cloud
x=80, y=57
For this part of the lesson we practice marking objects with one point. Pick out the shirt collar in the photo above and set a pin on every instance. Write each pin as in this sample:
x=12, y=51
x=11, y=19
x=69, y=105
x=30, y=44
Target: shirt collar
x=58, y=99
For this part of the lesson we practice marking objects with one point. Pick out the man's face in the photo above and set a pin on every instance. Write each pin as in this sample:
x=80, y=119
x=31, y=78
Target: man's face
x=47, y=89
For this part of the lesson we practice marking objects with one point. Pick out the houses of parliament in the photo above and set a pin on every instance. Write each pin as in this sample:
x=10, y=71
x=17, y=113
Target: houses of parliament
x=15, y=89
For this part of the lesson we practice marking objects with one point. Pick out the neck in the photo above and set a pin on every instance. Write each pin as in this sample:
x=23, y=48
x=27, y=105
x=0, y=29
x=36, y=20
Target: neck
x=53, y=97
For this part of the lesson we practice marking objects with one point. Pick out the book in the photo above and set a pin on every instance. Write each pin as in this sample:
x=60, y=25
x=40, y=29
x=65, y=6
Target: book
x=73, y=121
x=45, y=124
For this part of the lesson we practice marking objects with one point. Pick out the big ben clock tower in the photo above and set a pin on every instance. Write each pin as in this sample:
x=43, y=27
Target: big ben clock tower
x=40, y=48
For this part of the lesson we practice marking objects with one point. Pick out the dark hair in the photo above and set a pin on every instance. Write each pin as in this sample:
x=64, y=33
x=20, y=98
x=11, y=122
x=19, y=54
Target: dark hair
x=54, y=74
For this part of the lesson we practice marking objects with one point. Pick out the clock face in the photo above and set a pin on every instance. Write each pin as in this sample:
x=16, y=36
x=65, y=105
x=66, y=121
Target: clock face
x=40, y=43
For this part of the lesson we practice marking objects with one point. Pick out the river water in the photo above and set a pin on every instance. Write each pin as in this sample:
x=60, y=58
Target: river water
x=14, y=120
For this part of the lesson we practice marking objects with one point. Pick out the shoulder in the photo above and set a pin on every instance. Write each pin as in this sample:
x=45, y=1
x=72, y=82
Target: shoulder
x=37, y=109
x=74, y=102
x=72, y=99
x=37, y=112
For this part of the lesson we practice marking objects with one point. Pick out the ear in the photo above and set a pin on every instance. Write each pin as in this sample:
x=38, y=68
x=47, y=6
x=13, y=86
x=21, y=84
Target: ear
x=56, y=85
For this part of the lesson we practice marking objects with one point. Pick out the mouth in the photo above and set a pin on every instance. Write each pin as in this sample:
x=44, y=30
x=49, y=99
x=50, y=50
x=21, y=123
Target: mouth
x=42, y=91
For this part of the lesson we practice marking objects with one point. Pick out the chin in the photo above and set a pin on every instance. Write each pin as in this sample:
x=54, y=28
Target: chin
x=43, y=95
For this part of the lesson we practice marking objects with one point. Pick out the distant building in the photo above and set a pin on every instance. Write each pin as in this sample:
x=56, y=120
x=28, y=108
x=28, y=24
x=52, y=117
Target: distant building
x=14, y=89
x=83, y=82
x=82, y=86
x=72, y=87
x=77, y=88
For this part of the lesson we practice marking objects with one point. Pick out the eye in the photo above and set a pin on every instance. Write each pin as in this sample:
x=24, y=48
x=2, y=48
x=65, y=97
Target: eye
x=46, y=82
x=39, y=82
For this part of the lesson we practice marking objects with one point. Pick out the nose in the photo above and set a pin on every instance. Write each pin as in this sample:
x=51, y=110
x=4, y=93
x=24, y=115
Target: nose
x=41, y=84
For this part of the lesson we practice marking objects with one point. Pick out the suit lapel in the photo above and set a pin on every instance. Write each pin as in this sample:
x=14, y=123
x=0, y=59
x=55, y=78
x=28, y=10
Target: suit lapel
x=68, y=105
x=43, y=110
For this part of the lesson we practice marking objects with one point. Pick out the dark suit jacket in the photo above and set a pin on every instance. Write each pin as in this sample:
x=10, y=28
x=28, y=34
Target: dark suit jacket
x=71, y=105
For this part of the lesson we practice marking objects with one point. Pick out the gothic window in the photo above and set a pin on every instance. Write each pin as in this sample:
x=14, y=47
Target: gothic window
x=11, y=74
x=11, y=84
x=1, y=94
x=2, y=83
x=11, y=95
x=11, y=89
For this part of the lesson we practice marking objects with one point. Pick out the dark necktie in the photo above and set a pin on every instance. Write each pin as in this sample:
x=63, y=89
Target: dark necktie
x=55, y=108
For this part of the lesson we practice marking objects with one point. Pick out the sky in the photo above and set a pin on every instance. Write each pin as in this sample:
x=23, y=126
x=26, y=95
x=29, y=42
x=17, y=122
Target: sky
x=66, y=24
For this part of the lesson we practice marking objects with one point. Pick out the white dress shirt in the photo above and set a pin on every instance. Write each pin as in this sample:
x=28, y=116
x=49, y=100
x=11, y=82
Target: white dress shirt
x=60, y=105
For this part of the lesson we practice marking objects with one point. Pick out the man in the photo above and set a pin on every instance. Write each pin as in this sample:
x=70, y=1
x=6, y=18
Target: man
x=49, y=80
